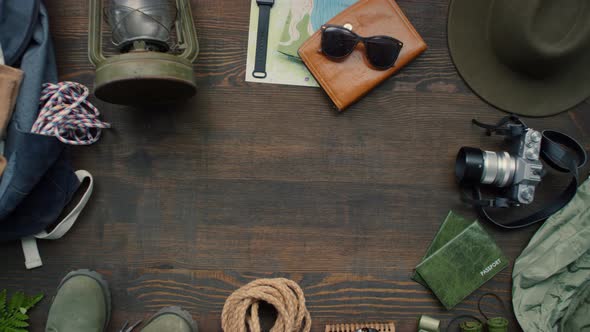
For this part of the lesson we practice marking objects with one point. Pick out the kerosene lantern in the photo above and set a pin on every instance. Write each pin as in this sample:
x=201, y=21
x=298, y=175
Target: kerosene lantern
x=151, y=67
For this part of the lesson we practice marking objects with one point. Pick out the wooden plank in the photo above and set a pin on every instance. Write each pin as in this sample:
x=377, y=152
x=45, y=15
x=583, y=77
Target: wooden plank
x=253, y=180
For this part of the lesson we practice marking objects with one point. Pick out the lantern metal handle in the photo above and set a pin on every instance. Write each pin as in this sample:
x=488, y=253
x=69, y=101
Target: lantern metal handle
x=187, y=33
x=95, y=33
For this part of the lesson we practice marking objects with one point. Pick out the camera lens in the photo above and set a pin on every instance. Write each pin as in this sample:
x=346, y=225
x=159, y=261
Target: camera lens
x=469, y=166
x=477, y=166
x=498, y=168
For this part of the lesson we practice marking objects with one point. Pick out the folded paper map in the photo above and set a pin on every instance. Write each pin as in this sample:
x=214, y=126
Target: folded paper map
x=305, y=17
x=291, y=23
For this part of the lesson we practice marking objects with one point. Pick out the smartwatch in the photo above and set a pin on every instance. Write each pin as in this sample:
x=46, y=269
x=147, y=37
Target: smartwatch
x=264, y=7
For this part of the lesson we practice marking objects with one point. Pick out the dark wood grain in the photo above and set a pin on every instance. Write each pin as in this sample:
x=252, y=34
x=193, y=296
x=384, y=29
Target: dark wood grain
x=249, y=180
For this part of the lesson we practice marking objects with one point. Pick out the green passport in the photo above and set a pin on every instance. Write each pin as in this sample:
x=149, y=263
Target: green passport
x=461, y=258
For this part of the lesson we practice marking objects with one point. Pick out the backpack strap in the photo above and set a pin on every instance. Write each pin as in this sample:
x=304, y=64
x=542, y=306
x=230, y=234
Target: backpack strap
x=29, y=244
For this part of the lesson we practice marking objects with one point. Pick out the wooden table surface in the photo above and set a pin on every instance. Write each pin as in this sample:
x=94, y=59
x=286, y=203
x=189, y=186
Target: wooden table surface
x=254, y=180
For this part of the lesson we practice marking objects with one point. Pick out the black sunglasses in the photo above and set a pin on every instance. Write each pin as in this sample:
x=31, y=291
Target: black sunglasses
x=338, y=42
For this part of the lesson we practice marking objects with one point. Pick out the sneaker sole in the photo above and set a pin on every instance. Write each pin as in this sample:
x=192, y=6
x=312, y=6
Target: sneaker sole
x=98, y=278
x=185, y=315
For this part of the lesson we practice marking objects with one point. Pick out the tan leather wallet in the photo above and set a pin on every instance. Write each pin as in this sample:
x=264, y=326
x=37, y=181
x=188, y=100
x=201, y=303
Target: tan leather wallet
x=349, y=79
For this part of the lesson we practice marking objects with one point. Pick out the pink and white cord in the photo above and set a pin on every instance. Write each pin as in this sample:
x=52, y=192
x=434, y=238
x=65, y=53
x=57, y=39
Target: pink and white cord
x=66, y=114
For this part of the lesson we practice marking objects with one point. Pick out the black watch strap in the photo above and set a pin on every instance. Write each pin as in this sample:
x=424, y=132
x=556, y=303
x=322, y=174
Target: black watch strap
x=262, y=38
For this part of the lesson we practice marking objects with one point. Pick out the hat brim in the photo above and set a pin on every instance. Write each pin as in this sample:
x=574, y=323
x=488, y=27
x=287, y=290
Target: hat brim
x=499, y=85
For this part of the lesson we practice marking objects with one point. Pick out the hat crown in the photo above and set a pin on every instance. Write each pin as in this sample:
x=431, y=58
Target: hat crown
x=539, y=37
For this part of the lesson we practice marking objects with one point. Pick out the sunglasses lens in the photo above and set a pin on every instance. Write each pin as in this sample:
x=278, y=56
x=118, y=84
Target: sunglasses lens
x=338, y=42
x=382, y=52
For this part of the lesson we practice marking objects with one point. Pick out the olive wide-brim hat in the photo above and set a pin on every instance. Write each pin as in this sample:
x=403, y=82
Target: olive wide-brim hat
x=528, y=57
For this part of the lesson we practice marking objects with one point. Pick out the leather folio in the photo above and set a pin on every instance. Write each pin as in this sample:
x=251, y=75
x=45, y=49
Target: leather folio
x=349, y=79
x=461, y=258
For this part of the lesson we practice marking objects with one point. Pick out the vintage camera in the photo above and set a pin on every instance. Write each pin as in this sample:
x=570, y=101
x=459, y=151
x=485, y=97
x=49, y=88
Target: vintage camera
x=519, y=171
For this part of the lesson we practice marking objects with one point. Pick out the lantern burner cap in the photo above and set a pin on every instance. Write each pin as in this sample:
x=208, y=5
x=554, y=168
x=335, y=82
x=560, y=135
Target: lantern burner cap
x=142, y=45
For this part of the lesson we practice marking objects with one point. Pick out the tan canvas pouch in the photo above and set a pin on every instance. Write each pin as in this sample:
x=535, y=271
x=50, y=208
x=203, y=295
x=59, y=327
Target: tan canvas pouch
x=10, y=80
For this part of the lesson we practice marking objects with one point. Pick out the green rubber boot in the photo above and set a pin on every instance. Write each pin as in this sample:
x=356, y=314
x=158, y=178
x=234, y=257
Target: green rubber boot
x=171, y=319
x=82, y=304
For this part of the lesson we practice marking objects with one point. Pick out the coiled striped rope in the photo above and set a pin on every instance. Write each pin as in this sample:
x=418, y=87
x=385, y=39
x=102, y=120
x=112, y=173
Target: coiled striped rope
x=66, y=114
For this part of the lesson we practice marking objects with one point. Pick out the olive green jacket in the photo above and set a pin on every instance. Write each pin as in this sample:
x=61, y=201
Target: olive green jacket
x=551, y=286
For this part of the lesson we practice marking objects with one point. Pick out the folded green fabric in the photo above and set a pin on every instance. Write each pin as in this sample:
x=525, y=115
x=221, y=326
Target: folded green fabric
x=551, y=277
x=460, y=259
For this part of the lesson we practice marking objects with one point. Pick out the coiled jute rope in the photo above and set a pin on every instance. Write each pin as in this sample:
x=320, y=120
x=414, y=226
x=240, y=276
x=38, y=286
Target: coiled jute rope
x=240, y=312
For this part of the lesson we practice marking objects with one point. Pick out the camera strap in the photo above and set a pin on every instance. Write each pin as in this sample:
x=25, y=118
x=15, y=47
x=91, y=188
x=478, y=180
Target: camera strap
x=558, y=150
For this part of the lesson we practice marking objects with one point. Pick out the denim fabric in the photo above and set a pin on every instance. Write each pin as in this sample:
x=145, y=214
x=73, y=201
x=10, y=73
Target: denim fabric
x=37, y=182
x=17, y=14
